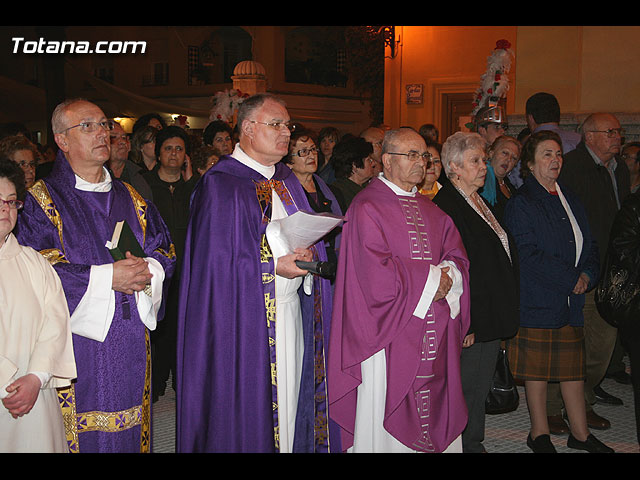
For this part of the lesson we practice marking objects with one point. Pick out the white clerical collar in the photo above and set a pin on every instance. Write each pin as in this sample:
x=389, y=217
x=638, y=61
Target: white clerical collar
x=396, y=189
x=104, y=186
x=242, y=157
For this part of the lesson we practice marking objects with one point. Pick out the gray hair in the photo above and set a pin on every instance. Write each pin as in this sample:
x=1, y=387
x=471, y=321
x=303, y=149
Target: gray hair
x=253, y=103
x=391, y=138
x=593, y=121
x=58, y=118
x=454, y=147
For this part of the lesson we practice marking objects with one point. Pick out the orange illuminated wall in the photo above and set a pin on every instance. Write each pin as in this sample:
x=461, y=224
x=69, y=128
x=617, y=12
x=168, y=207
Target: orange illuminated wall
x=588, y=68
x=443, y=60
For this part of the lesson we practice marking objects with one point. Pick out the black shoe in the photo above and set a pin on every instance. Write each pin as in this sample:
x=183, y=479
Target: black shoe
x=605, y=398
x=621, y=377
x=591, y=445
x=542, y=444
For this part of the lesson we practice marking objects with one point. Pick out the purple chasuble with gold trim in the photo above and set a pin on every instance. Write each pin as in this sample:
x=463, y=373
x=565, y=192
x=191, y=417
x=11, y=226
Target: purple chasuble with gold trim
x=109, y=407
x=227, y=396
x=388, y=244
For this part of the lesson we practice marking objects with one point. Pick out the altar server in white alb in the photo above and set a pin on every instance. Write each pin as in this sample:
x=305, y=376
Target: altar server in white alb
x=36, y=352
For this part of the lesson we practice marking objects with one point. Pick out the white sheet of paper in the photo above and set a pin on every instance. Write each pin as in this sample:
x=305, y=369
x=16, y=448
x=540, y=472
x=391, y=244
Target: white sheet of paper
x=302, y=229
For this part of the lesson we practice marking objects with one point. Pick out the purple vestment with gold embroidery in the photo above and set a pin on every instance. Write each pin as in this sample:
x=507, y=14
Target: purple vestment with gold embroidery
x=108, y=408
x=388, y=244
x=227, y=401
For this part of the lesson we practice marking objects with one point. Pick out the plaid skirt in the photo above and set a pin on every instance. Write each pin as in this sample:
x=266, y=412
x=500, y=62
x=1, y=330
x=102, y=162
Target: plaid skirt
x=548, y=354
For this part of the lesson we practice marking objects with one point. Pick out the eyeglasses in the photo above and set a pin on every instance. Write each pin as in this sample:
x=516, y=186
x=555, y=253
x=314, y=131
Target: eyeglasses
x=611, y=132
x=13, y=204
x=304, y=152
x=24, y=164
x=90, y=127
x=426, y=157
x=277, y=125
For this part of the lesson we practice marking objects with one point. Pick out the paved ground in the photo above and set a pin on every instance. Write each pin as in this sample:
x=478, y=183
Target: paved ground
x=505, y=433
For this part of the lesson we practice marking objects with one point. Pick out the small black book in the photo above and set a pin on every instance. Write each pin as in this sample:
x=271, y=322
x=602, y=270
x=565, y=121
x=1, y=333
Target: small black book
x=123, y=241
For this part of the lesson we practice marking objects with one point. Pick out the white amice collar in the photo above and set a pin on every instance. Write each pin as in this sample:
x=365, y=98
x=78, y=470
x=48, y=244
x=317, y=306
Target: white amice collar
x=396, y=189
x=242, y=157
x=103, y=186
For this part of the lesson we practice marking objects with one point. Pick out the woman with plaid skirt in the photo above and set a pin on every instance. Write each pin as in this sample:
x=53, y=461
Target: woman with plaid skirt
x=558, y=263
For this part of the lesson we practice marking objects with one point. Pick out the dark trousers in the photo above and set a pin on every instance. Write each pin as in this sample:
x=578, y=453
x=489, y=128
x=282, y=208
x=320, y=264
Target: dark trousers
x=630, y=336
x=477, y=364
x=163, y=345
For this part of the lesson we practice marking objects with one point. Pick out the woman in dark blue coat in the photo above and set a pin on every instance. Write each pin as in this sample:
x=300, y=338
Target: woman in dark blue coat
x=558, y=263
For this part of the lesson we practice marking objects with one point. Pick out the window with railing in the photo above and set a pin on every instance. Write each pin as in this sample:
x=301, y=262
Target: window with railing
x=316, y=55
x=158, y=76
x=214, y=59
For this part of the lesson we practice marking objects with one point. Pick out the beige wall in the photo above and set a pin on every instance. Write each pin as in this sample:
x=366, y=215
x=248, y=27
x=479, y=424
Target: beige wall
x=589, y=68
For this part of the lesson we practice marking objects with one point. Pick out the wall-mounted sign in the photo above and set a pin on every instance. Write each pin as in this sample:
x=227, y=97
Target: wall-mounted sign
x=415, y=94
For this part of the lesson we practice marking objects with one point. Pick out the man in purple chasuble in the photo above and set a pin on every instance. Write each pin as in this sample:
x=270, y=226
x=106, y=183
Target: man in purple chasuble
x=401, y=311
x=252, y=330
x=68, y=217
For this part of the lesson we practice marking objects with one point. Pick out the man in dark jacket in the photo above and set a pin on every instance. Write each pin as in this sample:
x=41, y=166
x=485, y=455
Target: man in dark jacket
x=601, y=181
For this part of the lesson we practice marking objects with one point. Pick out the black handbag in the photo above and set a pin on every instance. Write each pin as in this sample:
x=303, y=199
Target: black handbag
x=503, y=396
x=616, y=295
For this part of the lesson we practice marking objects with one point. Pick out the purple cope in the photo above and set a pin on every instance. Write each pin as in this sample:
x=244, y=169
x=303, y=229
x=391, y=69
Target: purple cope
x=226, y=400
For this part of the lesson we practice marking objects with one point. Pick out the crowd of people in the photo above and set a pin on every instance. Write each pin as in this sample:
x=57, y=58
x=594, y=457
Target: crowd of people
x=445, y=253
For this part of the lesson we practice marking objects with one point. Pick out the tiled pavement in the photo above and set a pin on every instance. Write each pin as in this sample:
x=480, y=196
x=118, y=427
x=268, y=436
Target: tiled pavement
x=506, y=433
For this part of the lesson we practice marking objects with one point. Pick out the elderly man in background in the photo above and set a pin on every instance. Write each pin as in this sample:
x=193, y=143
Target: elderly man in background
x=375, y=136
x=601, y=182
x=251, y=341
x=123, y=168
x=401, y=312
x=68, y=217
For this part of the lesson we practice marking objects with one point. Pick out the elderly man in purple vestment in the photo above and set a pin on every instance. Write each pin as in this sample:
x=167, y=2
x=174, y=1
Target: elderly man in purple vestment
x=401, y=312
x=69, y=217
x=252, y=326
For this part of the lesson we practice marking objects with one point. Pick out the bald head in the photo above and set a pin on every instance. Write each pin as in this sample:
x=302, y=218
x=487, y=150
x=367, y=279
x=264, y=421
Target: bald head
x=602, y=134
x=375, y=136
x=403, y=158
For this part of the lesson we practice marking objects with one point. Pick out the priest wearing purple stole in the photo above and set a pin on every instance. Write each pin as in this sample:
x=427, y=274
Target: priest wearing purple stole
x=252, y=326
x=68, y=217
x=401, y=312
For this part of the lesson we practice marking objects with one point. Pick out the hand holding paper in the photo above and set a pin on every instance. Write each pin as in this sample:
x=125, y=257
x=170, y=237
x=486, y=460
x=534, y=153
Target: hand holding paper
x=300, y=230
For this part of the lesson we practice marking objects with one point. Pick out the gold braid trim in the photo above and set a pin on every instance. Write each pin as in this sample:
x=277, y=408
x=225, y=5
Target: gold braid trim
x=54, y=255
x=140, y=205
x=40, y=192
x=76, y=423
x=171, y=254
